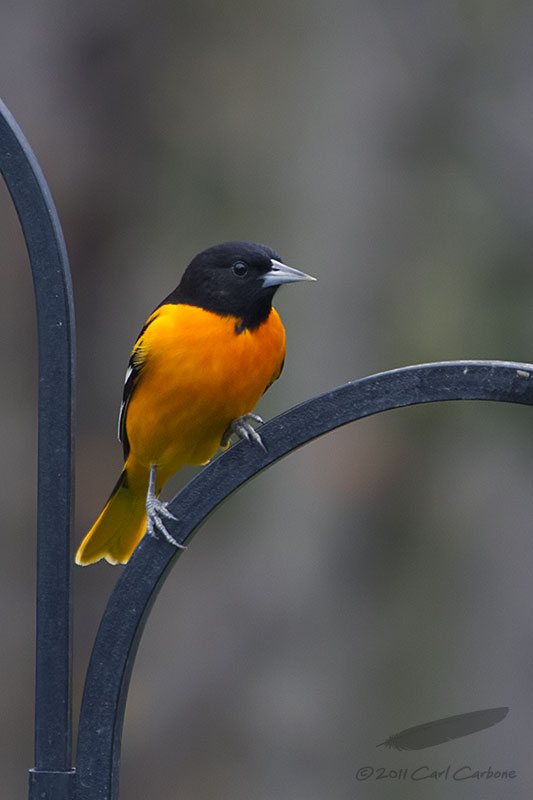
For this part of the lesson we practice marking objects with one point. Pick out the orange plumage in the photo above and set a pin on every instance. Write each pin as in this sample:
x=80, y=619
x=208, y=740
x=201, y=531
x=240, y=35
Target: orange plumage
x=193, y=370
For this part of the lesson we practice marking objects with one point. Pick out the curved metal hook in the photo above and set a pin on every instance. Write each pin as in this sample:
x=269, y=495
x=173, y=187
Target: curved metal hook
x=55, y=325
x=115, y=647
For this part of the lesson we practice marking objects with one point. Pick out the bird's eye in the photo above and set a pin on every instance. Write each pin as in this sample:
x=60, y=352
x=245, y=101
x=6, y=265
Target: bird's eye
x=239, y=269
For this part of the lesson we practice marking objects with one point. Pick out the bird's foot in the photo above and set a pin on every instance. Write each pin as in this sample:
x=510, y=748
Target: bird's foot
x=156, y=512
x=243, y=428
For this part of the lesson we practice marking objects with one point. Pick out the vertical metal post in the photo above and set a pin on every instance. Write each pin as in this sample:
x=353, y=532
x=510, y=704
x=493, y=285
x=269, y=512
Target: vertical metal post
x=52, y=777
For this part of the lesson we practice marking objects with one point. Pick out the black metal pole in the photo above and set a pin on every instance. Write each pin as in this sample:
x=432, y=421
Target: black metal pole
x=52, y=776
x=106, y=687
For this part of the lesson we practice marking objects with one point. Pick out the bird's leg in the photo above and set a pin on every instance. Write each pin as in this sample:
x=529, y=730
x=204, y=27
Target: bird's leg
x=156, y=510
x=242, y=427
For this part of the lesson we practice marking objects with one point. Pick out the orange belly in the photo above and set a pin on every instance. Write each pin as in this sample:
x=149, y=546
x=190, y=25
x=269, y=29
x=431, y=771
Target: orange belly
x=199, y=378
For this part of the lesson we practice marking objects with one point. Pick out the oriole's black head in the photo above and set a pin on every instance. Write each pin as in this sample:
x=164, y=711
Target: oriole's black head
x=237, y=279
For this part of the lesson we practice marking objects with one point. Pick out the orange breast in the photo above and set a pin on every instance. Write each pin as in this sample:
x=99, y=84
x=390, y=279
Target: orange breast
x=198, y=375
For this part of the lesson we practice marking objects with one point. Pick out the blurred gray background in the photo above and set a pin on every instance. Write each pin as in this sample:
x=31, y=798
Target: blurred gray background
x=381, y=577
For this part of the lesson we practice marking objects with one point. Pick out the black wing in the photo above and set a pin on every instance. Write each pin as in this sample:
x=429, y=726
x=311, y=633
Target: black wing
x=131, y=375
x=135, y=366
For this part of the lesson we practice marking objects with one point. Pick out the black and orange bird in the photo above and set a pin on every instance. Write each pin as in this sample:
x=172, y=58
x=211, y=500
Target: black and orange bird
x=200, y=364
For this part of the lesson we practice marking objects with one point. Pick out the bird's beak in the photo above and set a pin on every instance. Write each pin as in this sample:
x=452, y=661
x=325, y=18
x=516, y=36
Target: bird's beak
x=281, y=273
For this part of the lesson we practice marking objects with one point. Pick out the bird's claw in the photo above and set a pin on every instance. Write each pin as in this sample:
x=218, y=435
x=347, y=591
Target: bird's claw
x=243, y=428
x=155, y=511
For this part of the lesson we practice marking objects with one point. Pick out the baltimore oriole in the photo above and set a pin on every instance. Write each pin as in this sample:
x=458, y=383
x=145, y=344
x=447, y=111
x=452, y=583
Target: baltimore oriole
x=200, y=364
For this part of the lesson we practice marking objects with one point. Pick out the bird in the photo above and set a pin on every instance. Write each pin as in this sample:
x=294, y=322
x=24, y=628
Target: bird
x=202, y=360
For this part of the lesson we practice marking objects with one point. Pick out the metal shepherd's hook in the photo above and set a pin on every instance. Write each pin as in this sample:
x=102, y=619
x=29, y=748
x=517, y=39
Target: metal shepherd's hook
x=101, y=719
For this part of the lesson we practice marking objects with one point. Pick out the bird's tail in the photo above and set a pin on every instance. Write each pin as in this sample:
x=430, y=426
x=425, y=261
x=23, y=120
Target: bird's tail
x=121, y=525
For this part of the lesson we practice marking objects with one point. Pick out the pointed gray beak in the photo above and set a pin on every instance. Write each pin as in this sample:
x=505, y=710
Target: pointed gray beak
x=281, y=273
